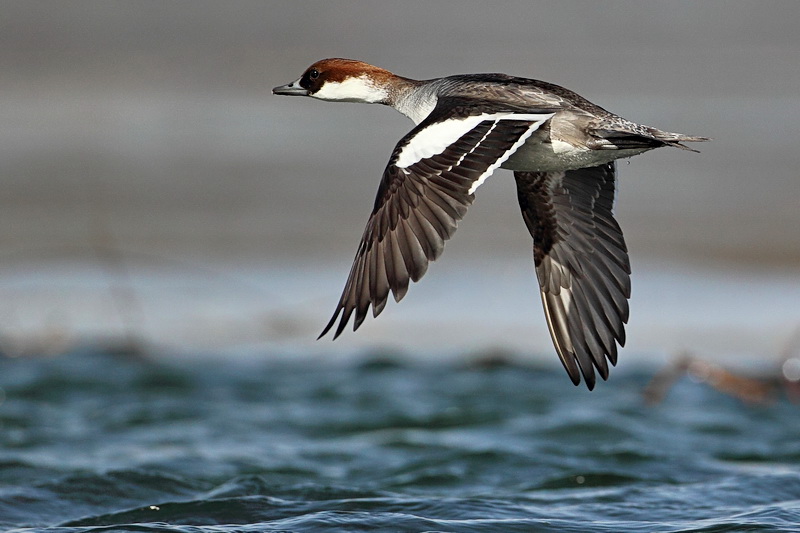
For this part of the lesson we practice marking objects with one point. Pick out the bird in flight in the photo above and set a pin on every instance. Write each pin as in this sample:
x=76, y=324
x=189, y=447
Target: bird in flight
x=561, y=148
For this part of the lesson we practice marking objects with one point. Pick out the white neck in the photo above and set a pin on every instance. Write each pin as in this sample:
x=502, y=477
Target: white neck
x=416, y=106
x=417, y=103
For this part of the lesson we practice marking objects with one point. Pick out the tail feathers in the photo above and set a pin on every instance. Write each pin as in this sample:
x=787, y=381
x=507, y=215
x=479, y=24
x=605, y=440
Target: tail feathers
x=675, y=139
x=643, y=137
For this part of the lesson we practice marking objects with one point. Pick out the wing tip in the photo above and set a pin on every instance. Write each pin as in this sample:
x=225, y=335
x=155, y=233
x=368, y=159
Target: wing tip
x=327, y=329
x=585, y=372
x=346, y=313
x=331, y=322
x=588, y=377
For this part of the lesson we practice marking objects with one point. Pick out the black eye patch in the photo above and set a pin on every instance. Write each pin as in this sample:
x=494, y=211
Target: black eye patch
x=309, y=78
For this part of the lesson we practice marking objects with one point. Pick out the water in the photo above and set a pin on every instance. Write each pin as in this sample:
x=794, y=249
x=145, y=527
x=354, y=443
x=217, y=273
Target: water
x=103, y=441
x=155, y=192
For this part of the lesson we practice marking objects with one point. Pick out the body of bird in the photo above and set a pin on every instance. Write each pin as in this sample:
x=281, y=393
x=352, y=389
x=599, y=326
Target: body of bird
x=561, y=148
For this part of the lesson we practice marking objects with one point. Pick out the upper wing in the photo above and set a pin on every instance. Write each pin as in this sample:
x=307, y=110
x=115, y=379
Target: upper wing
x=581, y=262
x=426, y=189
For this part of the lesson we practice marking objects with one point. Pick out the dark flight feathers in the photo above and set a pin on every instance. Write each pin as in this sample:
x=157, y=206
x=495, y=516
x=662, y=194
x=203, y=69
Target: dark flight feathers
x=581, y=262
x=579, y=252
x=416, y=210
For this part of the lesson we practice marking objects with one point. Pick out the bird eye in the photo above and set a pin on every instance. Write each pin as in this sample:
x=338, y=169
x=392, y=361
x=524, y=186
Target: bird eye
x=313, y=74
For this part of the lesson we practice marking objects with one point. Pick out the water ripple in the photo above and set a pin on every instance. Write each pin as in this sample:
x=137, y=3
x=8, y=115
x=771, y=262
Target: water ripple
x=93, y=443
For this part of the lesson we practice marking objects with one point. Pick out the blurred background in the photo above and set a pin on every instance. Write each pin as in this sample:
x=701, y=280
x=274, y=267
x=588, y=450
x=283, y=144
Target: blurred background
x=155, y=192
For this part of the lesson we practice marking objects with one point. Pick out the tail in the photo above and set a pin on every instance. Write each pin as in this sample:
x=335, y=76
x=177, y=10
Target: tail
x=632, y=136
x=675, y=139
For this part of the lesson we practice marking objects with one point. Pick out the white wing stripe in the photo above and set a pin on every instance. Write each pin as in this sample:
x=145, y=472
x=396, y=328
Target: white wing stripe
x=435, y=138
x=460, y=159
x=540, y=119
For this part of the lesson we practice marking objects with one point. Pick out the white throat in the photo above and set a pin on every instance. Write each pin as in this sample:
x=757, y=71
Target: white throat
x=359, y=89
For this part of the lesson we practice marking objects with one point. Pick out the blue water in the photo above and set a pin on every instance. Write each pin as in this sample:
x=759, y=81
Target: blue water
x=112, y=442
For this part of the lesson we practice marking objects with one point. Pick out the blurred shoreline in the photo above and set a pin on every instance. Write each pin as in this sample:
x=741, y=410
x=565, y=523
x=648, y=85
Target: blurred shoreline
x=272, y=308
x=142, y=155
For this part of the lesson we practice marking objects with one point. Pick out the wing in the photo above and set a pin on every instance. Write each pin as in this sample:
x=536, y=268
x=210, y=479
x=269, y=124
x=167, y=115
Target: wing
x=581, y=262
x=426, y=189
